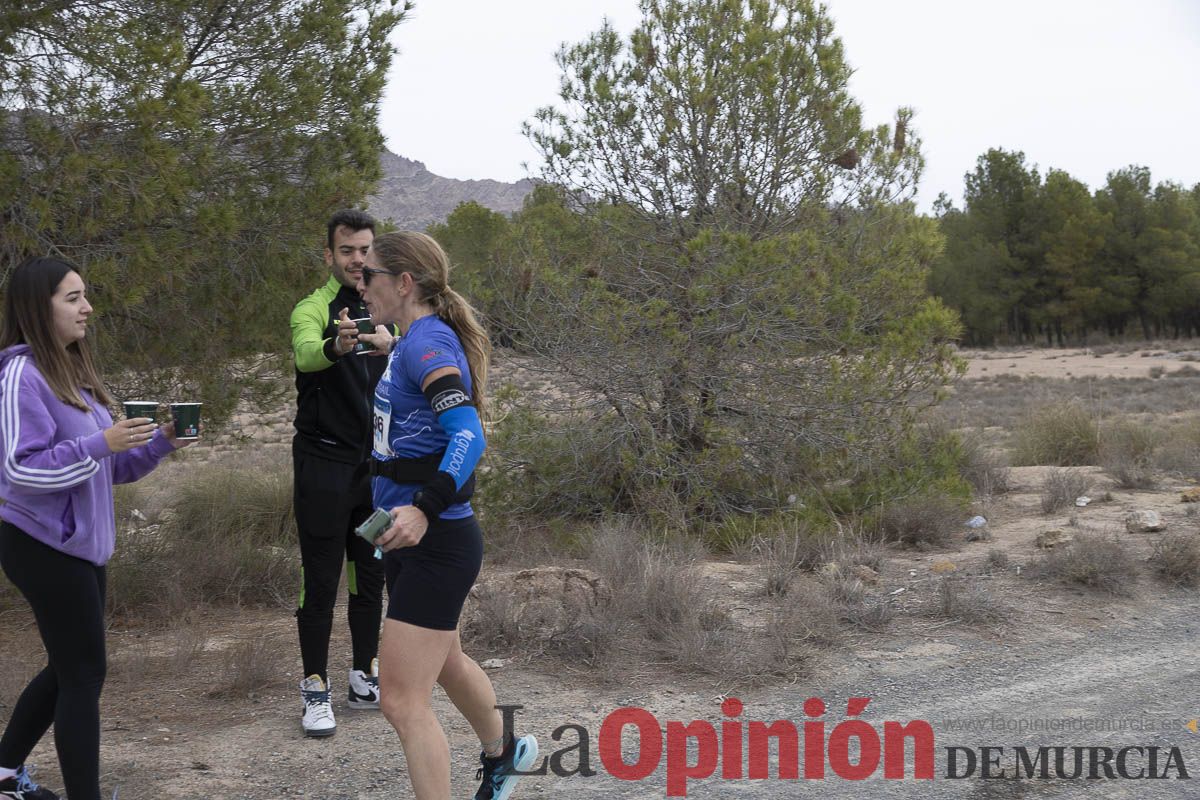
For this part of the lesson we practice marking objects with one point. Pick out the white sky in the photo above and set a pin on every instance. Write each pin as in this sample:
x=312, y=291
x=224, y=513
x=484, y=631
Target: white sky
x=1084, y=86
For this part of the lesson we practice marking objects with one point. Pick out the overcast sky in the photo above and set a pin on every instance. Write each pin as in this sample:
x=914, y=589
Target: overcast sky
x=1086, y=87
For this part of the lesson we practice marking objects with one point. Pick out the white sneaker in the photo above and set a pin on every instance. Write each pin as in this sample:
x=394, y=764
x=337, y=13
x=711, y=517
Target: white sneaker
x=364, y=688
x=318, y=711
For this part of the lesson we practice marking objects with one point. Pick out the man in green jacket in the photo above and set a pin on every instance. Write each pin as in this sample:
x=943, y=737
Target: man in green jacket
x=330, y=452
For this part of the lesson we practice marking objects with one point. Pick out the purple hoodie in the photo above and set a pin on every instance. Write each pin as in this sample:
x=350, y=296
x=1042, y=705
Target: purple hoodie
x=57, y=477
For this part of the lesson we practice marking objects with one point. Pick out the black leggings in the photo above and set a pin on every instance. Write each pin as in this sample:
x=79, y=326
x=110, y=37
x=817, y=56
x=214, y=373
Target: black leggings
x=331, y=499
x=67, y=597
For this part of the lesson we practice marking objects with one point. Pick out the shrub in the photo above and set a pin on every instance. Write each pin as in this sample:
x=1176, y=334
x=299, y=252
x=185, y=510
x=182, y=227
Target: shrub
x=250, y=665
x=1176, y=557
x=1179, y=452
x=1126, y=453
x=966, y=601
x=1099, y=562
x=1063, y=435
x=227, y=536
x=928, y=520
x=784, y=555
x=986, y=470
x=1060, y=488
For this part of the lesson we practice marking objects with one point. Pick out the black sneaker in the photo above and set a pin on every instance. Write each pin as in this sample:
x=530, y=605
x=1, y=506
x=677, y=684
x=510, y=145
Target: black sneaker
x=499, y=775
x=22, y=787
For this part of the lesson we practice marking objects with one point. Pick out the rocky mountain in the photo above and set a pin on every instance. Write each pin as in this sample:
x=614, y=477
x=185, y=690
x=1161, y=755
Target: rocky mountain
x=414, y=198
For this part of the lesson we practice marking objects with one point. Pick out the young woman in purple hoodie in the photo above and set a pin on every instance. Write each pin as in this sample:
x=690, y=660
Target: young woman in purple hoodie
x=61, y=454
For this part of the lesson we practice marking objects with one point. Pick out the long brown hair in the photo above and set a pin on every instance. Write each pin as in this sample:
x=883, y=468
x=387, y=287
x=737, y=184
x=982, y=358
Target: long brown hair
x=423, y=258
x=29, y=319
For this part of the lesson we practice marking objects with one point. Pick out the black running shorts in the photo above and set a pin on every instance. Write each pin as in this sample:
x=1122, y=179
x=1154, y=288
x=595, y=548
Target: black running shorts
x=428, y=583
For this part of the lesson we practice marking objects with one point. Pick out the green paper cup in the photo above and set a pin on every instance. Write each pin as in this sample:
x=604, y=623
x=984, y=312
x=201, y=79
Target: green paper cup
x=135, y=409
x=187, y=420
x=364, y=326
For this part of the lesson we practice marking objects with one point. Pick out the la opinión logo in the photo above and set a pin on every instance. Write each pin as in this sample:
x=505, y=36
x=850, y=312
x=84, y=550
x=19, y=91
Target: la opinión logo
x=674, y=742
x=852, y=749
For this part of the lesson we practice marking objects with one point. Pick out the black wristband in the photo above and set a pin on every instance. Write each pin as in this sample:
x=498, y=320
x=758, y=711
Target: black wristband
x=436, y=496
x=330, y=349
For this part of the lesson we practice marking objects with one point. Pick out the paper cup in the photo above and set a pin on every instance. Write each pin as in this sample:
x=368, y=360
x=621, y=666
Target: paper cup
x=135, y=409
x=187, y=420
x=364, y=326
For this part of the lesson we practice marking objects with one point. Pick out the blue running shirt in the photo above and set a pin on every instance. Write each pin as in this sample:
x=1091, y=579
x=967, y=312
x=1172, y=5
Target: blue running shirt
x=404, y=425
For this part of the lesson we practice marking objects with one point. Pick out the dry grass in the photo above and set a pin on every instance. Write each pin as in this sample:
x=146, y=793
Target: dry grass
x=1176, y=558
x=1060, y=488
x=1061, y=435
x=1179, y=451
x=983, y=467
x=784, y=556
x=927, y=521
x=1126, y=453
x=1096, y=561
x=1006, y=400
x=965, y=600
x=250, y=665
x=996, y=561
x=226, y=535
x=660, y=611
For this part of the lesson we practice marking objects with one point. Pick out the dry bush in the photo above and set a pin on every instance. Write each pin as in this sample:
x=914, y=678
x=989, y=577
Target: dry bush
x=783, y=556
x=986, y=470
x=929, y=520
x=659, y=611
x=1060, y=488
x=1126, y=453
x=1061, y=435
x=1099, y=562
x=249, y=666
x=853, y=547
x=1176, y=558
x=855, y=603
x=968, y=601
x=187, y=646
x=997, y=560
x=1179, y=452
x=227, y=536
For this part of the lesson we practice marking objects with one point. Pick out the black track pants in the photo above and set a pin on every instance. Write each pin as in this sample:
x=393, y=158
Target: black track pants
x=331, y=499
x=67, y=597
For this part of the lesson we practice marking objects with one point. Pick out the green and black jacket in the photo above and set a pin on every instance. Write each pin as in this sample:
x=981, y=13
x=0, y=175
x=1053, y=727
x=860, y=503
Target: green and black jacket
x=333, y=395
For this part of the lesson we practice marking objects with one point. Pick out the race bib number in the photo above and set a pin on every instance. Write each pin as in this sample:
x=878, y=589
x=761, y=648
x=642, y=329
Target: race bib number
x=383, y=422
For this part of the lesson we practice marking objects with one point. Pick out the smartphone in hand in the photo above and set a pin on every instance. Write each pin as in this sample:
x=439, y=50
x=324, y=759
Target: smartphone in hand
x=379, y=521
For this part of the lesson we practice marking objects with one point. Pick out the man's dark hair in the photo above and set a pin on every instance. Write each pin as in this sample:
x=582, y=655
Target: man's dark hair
x=350, y=218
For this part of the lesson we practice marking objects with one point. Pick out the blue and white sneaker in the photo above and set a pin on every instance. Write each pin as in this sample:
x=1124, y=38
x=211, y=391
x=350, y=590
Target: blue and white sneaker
x=500, y=774
x=364, y=687
x=22, y=787
x=318, y=711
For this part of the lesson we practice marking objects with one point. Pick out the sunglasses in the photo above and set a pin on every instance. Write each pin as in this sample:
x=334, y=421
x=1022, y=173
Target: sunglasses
x=367, y=272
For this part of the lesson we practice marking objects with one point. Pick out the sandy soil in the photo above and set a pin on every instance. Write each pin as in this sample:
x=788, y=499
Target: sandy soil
x=1125, y=664
x=1078, y=363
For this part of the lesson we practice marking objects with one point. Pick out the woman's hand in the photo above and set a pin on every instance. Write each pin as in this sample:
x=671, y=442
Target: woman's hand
x=169, y=431
x=129, y=433
x=381, y=339
x=409, y=524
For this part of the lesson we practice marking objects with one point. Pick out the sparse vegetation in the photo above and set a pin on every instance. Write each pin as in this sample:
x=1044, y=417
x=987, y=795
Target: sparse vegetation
x=1126, y=453
x=250, y=665
x=984, y=468
x=1061, y=435
x=1176, y=558
x=226, y=536
x=1094, y=560
x=1060, y=489
x=925, y=521
x=964, y=599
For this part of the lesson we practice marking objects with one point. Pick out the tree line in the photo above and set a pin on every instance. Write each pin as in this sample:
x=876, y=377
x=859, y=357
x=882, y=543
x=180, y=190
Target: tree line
x=1032, y=259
